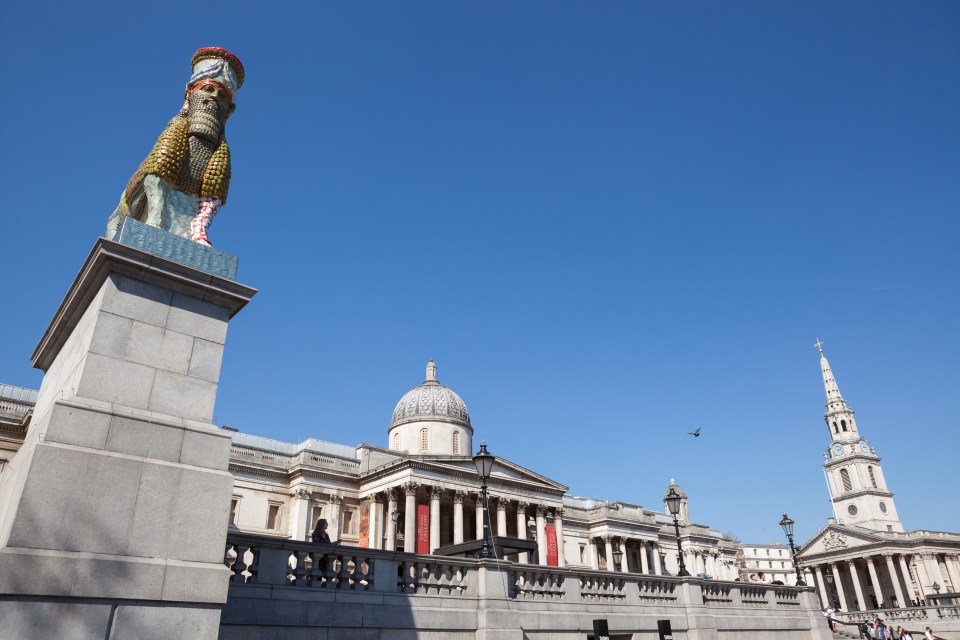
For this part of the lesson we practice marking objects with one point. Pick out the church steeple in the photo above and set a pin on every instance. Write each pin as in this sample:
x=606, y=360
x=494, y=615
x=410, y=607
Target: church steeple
x=839, y=417
x=858, y=489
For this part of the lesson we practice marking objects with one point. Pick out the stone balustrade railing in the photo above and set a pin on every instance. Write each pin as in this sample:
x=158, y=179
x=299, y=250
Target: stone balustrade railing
x=276, y=582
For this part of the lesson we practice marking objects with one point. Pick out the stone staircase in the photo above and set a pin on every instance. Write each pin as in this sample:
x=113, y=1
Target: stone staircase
x=843, y=631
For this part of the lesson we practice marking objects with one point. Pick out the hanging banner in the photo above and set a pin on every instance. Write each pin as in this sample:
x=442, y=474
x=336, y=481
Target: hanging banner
x=552, y=557
x=365, y=524
x=423, y=528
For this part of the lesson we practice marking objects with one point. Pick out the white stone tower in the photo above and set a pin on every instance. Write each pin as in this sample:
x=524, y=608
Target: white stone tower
x=854, y=475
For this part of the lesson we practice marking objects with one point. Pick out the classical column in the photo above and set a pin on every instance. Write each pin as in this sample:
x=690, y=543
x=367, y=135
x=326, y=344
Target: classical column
x=877, y=591
x=892, y=570
x=541, y=535
x=594, y=555
x=608, y=545
x=919, y=580
x=657, y=565
x=558, y=526
x=376, y=521
x=836, y=581
x=950, y=563
x=944, y=571
x=523, y=557
x=625, y=563
x=458, y=497
x=299, y=513
x=929, y=565
x=391, y=525
x=435, y=493
x=808, y=576
x=906, y=577
x=644, y=563
x=479, y=524
x=822, y=586
x=858, y=590
x=502, y=516
x=410, y=517
x=335, y=504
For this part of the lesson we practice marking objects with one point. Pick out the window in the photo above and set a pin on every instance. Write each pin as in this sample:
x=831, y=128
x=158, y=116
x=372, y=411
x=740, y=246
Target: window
x=852, y=510
x=768, y=551
x=845, y=478
x=873, y=478
x=396, y=441
x=883, y=507
x=348, y=526
x=234, y=509
x=835, y=429
x=424, y=440
x=843, y=425
x=273, y=516
x=456, y=443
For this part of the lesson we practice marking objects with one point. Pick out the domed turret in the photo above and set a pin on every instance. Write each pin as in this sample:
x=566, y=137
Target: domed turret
x=431, y=419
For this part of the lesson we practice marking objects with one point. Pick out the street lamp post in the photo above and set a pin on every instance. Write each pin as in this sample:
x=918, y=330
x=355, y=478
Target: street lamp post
x=673, y=504
x=395, y=516
x=484, y=462
x=787, y=525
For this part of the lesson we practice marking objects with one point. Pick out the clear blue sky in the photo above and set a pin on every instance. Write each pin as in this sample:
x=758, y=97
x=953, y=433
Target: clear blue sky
x=608, y=222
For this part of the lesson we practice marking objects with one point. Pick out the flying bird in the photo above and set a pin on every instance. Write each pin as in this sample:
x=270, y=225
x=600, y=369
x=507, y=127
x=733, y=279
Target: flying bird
x=695, y=434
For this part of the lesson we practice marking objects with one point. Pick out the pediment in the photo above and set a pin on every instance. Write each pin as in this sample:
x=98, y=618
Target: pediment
x=504, y=471
x=837, y=539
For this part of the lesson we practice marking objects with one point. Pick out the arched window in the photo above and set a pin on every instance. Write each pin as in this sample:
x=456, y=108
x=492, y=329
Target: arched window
x=456, y=443
x=836, y=429
x=843, y=424
x=845, y=479
x=424, y=440
x=873, y=478
x=396, y=441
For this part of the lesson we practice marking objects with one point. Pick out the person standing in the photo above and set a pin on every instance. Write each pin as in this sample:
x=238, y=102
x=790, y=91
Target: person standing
x=320, y=532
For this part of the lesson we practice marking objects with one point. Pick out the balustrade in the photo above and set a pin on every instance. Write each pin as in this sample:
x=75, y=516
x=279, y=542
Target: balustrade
x=533, y=584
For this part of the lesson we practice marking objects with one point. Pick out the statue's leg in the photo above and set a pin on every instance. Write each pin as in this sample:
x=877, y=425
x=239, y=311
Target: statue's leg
x=206, y=210
x=156, y=189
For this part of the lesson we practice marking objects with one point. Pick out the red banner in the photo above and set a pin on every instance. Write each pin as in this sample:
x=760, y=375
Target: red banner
x=423, y=528
x=364, y=524
x=552, y=558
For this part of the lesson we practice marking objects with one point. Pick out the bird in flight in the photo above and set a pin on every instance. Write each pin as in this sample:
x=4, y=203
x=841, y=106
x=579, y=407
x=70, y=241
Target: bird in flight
x=696, y=433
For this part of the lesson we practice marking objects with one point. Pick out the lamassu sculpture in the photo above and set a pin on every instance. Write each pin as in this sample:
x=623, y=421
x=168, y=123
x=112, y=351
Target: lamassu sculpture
x=183, y=182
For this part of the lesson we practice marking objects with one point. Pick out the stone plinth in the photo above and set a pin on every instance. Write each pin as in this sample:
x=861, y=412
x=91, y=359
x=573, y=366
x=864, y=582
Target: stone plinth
x=113, y=514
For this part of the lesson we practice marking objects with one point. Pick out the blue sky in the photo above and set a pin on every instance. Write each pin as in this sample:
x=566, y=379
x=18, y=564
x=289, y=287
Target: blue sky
x=608, y=222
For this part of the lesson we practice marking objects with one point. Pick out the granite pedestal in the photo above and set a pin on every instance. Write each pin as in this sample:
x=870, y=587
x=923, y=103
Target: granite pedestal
x=113, y=514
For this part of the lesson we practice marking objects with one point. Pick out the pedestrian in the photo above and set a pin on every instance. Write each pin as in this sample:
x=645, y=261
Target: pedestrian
x=320, y=532
x=928, y=634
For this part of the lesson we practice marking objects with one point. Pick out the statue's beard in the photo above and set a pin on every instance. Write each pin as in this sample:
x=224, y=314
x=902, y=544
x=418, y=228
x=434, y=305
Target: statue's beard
x=205, y=123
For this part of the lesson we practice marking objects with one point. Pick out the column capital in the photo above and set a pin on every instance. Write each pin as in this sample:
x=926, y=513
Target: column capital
x=541, y=510
x=393, y=493
x=607, y=539
x=436, y=493
x=378, y=497
x=300, y=493
x=410, y=488
x=888, y=556
x=523, y=506
x=502, y=504
x=336, y=499
x=559, y=512
x=870, y=561
x=458, y=496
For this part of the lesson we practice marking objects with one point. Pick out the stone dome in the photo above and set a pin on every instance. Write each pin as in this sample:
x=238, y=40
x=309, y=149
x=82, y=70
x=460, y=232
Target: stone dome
x=431, y=401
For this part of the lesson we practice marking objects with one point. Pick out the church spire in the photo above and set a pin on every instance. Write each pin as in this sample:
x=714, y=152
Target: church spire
x=839, y=417
x=835, y=401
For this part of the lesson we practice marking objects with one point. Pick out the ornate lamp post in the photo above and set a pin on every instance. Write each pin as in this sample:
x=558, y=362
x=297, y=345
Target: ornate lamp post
x=617, y=556
x=673, y=504
x=484, y=462
x=787, y=525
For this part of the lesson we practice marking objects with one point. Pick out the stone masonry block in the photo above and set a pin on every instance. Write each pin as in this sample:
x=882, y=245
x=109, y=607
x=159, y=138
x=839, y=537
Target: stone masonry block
x=30, y=571
x=81, y=427
x=101, y=577
x=198, y=318
x=62, y=505
x=159, y=348
x=198, y=527
x=136, y=300
x=185, y=622
x=148, y=440
x=116, y=381
x=196, y=583
x=182, y=396
x=209, y=450
x=111, y=335
x=205, y=360
x=149, y=529
x=42, y=620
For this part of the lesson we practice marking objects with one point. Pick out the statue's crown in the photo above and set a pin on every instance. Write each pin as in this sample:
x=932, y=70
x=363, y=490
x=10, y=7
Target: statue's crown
x=219, y=65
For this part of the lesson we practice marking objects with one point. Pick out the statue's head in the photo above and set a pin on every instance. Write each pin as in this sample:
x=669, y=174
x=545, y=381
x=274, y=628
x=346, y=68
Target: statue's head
x=211, y=92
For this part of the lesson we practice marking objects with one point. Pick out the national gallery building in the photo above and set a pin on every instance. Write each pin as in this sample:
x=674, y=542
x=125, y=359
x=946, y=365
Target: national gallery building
x=421, y=492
